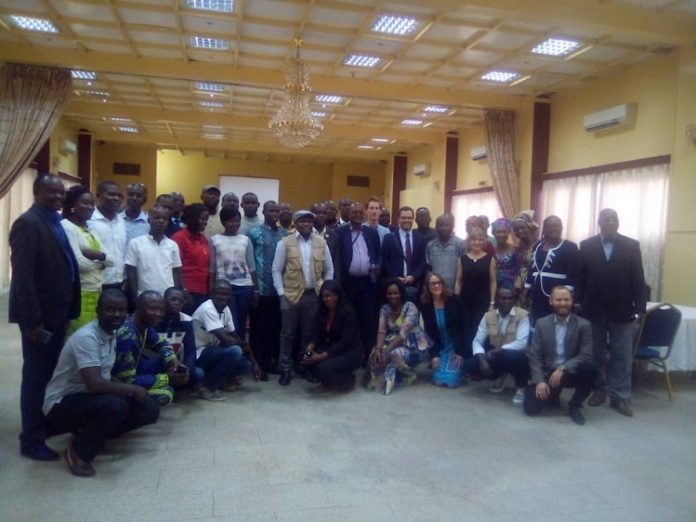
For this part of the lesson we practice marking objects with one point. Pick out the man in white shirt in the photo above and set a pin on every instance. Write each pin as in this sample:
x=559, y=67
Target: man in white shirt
x=301, y=264
x=108, y=227
x=222, y=355
x=152, y=261
x=500, y=343
x=83, y=399
x=210, y=197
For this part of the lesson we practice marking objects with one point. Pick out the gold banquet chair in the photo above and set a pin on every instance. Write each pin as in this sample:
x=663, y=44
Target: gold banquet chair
x=655, y=337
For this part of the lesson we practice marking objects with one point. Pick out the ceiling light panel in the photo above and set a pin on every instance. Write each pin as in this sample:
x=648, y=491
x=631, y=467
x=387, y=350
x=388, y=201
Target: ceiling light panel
x=202, y=42
x=40, y=25
x=362, y=60
x=120, y=120
x=130, y=130
x=211, y=105
x=319, y=114
x=499, y=76
x=212, y=87
x=221, y=6
x=84, y=75
x=556, y=47
x=396, y=25
x=440, y=109
x=329, y=98
x=412, y=122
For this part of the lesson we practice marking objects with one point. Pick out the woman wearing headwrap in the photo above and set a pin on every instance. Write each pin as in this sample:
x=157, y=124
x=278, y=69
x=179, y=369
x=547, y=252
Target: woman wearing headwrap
x=525, y=229
x=506, y=259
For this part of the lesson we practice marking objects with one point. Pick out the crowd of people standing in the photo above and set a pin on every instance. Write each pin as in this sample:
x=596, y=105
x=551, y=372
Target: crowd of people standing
x=194, y=297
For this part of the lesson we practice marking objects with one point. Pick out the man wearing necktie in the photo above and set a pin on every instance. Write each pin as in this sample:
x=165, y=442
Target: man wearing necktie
x=403, y=254
x=611, y=293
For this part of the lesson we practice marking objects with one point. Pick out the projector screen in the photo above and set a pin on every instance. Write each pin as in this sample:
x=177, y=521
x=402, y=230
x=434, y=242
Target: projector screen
x=265, y=188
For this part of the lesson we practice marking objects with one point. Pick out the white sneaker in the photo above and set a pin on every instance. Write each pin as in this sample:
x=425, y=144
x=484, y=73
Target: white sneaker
x=519, y=396
x=499, y=385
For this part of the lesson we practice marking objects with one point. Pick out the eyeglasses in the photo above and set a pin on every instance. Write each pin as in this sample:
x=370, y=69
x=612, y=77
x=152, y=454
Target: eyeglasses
x=435, y=283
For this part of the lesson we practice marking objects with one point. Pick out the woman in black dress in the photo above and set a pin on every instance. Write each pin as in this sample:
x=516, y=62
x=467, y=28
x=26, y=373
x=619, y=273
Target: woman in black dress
x=337, y=351
x=476, y=281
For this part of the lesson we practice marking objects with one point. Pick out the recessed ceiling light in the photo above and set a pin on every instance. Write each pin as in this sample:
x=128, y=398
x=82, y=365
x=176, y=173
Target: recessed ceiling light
x=412, y=122
x=436, y=108
x=212, y=127
x=318, y=114
x=210, y=104
x=120, y=120
x=368, y=147
x=556, y=47
x=223, y=6
x=399, y=25
x=213, y=136
x=203, y=42
x=381, y=140
x=29, y=23
x=329, y=98
x=499, y=76
x=131, y=130
x=102, y=94
x=361, y=60
x=205, y=86
x=84, y=75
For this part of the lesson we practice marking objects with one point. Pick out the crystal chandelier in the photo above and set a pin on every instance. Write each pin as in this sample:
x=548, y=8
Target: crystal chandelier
x=294, y=124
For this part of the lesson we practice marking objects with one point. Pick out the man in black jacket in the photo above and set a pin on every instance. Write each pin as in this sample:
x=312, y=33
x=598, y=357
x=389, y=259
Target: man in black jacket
x=403, y=255
x=44, y=296
x=611, y=293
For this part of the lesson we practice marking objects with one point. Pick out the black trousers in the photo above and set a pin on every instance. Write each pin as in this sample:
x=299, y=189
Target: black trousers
x=582, y=380
x=264, y=334
x=337, y=371
x=513, y=362
x=96, y=417
x=39, y=361
x=362, y=294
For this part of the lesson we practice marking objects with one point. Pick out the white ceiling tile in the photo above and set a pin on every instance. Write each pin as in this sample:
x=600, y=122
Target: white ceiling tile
x=403, y=64
x=336, y=17
x=275, y=10
x=455, y=70
x=503, y=40
x=481, y=58
x=285, y=34
x=435, y=82
x=23, y=5
x=107, y=48
x=96, y=31
x=142, y=17
x=213, y=57
x=378, y=47
x=430, y=52
x=270, y=50
x=50, y=40
x=322, y=38
x=452, y=33
x=569, y=67
x=603, y=53
x=524, y=62
x=200, y=24
x=161, y=38
x=86, y=11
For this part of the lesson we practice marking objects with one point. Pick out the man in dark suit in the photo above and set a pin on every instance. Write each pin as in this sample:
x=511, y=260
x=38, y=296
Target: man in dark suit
x=44, y=296
x=403, y=255
x=560, y=357
x=356, y=266
x=611, y=292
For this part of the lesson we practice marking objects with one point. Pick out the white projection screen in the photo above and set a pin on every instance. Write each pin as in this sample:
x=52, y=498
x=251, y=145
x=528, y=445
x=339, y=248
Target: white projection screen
x=265, y=188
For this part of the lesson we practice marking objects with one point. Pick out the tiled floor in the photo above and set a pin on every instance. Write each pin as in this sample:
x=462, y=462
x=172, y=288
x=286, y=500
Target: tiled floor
x=284, y=454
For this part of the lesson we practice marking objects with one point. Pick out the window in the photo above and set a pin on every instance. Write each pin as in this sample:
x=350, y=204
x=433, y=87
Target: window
x=474, y=203
x=639, y=196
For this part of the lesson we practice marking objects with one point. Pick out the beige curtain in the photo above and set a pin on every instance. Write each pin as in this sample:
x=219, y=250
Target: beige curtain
x=499, y=127
x=32, y=100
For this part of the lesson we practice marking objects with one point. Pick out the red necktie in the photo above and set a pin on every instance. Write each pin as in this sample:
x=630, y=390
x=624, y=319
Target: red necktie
x=408, y=251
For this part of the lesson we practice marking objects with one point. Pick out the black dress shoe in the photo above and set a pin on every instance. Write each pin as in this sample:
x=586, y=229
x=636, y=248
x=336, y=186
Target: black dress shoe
x=77, y=466
x=576, y=416
x=285, y=378
x=263, y=376
x=310, y=377
x=39, y=451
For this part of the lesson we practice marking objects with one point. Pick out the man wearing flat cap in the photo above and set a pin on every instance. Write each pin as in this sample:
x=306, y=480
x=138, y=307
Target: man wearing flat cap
x=301, y=264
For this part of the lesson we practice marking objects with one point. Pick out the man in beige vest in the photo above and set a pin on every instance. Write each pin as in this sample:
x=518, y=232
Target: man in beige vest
x=301, y=264
x=500, y=343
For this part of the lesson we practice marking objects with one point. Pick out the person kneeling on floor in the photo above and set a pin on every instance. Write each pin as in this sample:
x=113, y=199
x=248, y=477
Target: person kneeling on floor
x=81, y=397
x=222, y=355
x=560, y=357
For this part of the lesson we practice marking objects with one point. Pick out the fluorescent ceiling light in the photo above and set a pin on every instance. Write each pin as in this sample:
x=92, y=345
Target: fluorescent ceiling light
x=556, y=47
x=361, y=60
x=213, y=136
x=120, y=120
x=436, y=108
x=499, y=76
x=212, y=127
x=84, y=75
x=368, y=147
x=131, y=130
x=412, y=122
x=205, y=86
x=102, y=94
x=318, y=114
x=399, y=25
x=381, y=140
x=222, y=6
x=29, y=23
x=203, y=42
x=211, y=104
x=329, y=98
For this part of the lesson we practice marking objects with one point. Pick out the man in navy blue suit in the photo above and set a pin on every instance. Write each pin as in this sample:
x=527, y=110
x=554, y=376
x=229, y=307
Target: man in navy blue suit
x=403, y=255
x=611, y=293
x=356, y=266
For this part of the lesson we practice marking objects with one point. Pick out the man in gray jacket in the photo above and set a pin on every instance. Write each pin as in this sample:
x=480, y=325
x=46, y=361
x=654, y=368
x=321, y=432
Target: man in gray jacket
x=560, y=357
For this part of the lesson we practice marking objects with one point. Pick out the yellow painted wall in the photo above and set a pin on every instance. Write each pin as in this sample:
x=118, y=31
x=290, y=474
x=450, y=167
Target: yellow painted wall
x=426, y=191
x=650, y=84
x=60, y=161
x=105, y=154
x=471, y=174
x=340, y=172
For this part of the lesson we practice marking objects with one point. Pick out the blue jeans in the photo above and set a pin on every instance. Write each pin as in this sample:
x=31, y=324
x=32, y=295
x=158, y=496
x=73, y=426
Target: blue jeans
x=219, y=363
x=240, y=304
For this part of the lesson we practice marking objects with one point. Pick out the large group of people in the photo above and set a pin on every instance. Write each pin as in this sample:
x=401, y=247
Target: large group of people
x=122, y=310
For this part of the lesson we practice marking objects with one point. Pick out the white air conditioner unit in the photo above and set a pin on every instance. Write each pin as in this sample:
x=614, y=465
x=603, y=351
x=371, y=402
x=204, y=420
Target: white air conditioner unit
x=478, y=153
x=612, y=117
x=67, y=147
x=421, y=170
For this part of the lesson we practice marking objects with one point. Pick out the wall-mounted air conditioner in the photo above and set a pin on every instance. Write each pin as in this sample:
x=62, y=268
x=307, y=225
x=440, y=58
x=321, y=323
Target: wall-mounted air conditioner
x=67, y=147
x=421, y=170
x=478, y=153
x=612, y=117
